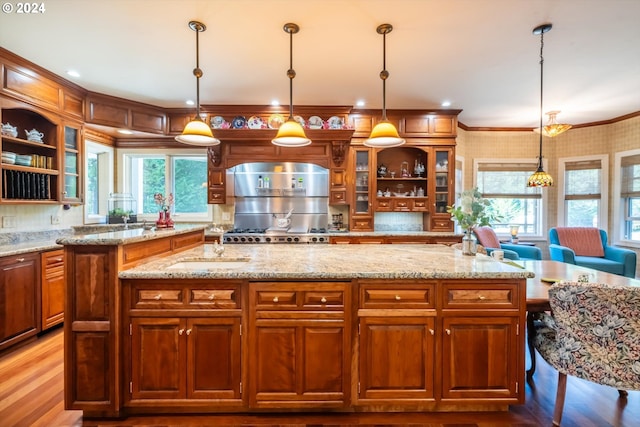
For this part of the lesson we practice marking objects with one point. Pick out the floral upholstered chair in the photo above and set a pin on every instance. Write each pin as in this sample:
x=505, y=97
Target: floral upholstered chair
x=593, y=334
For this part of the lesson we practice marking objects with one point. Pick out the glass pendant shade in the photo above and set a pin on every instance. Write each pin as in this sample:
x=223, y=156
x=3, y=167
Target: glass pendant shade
x=384, y=135
x=197, y=132
x=291, y=134
x=540, y=178
x=553, y=128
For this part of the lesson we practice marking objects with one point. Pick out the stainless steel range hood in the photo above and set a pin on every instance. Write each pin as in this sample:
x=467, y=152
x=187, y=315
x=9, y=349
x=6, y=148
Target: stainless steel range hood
x=263, y=191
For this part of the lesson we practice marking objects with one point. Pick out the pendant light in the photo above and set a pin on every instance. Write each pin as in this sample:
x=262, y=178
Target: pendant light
x=290, y=133
x=553, y=128
x=540, y=178
x=384, y=134
x=197, y=132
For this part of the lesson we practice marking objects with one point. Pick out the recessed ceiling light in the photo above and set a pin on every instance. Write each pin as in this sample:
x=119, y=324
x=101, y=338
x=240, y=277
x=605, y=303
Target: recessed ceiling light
x=189, y=102
x=73, y=73
x=360, y=103
x=446, y=103
x=125, y=131
x=275, y=103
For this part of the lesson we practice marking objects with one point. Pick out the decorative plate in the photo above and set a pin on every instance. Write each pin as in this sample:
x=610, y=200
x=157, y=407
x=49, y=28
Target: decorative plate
x=275, y=121
x=238, y=122
x=255, y=122
x=335, y=122
x=300, y=120
x=315, y=122
x=217, y=122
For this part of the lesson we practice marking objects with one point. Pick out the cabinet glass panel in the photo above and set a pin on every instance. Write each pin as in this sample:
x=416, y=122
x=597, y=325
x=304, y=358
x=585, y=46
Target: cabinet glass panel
x=71, y=164
x=70, y=138
x=442, y=181
x=362, y=182
x=71, y=186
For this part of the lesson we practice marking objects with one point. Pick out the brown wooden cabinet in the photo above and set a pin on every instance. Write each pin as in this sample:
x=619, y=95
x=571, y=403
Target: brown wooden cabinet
x=299, y=345
x=185, y=342
x=71, y=159
x=397, y=344
x=337, y=186
x=52, y=287
x=19, y=298
x=441, y=187
x=443, y=239
x=361, y=197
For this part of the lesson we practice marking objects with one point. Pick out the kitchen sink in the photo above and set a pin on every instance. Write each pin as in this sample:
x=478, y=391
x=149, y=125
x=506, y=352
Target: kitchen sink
x=221, y=263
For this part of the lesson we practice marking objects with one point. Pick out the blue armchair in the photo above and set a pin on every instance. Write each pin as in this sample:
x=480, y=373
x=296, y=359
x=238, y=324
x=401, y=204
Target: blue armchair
x=580, y=246
x=487, y=237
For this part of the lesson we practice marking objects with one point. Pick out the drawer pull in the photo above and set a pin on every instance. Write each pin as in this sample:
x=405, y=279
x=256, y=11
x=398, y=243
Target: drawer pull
x=481, y=297
x=397, y=297
x=188, y=331
x=181, y=331
x=275, y=299
x=158, y=297
x=58, y=260
x=212, y=297
x=323, y=300
x=20, y=259
x=448, y=331
x=431, y=331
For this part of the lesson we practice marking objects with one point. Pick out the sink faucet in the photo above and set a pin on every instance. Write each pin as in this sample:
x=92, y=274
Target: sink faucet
x=218, y=249
x=125, y=218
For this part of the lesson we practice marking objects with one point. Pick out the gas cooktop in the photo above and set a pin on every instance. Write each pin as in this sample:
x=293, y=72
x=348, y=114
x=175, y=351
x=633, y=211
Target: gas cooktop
x=276, y=235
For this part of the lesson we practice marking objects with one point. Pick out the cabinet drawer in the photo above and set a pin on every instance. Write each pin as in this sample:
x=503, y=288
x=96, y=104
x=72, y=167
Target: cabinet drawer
x=157, y=298
x=401, y=205
x=276, y=299
x=419, y=205
x=499, y=296
x=322, y=299
x=53, y=260
x=383, y=205
x=298, y=296
x=397, y=296
x=338, y=197
x=215, y=298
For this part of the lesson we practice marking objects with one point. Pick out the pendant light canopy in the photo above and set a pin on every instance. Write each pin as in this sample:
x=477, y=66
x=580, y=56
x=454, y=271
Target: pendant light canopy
x=290, y=133
x=384, y=134
x=197, y=132
x=540, y=178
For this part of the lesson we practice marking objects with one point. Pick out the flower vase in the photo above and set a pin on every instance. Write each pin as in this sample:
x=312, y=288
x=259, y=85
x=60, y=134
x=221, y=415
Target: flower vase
x=469, y=244
x=167, y=219
x=161, y=222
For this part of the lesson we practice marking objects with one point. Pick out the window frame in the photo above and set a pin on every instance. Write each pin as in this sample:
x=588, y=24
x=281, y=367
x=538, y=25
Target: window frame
x=620, y=207
x=106, y=161
x=544, y=198
x=603, y=214
x=124, y=174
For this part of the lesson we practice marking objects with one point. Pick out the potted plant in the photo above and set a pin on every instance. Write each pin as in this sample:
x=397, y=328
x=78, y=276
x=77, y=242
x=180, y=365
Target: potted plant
x=473, y=211
x=117, y=216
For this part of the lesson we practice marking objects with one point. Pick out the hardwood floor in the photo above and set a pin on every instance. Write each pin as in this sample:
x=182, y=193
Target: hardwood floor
x=31, y=395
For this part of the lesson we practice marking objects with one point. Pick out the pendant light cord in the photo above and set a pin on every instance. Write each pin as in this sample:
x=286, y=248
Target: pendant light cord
x=291, y=73
x=384, y=74
x=541, y=96
x=197, y=71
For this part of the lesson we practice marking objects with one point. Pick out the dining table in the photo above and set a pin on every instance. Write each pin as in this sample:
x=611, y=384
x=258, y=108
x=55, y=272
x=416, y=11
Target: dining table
x=546, y=274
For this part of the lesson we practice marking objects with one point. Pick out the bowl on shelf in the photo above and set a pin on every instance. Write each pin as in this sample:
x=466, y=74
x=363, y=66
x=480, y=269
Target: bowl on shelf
x=8, y=157
x=400, y=194
x=23, y=160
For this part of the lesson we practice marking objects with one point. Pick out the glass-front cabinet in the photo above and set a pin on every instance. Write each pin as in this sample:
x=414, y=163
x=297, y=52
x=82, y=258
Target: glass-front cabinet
x=72, y=166
x=442, y=188
x=361, y=203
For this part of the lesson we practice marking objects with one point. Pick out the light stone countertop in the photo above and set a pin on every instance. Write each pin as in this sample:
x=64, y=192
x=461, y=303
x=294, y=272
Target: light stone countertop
x=282, y=261
x=125, y=236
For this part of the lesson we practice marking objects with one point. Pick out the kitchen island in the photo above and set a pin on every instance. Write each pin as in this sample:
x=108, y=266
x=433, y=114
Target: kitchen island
x=289, y=328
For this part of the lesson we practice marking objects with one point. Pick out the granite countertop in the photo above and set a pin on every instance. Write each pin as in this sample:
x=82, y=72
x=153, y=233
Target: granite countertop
x=125, y=236
x=329, y=262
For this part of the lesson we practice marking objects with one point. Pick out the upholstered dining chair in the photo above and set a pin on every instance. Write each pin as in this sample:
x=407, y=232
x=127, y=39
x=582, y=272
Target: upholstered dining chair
x=593, y=334
x=488, y=238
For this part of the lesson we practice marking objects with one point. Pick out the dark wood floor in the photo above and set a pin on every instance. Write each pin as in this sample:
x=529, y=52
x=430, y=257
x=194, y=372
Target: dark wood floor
x=31, y=394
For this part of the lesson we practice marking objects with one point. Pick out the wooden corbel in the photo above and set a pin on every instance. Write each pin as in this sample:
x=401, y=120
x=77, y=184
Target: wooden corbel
x=215, y=158
x=338, y=151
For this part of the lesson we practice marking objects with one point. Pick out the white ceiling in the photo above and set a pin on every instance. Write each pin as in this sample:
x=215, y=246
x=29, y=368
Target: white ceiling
x=479, y=54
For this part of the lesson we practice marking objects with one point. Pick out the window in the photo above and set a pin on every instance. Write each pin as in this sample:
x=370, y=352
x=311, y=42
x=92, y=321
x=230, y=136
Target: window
x=630, y=195
x=98, y=181
x=582, y=184
x=184, y=175
x=504, y=183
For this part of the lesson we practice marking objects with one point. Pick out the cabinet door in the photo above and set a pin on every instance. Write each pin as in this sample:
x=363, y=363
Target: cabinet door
x=217, y=187
x=361, y=163
x=158, y=353
x=300, y=362
x=338, y=187
x=52, y=283
x=72, y=165
x=19, y=298
x=480, y=358
x=442, y=188
x=396, y=359
x=213, y=354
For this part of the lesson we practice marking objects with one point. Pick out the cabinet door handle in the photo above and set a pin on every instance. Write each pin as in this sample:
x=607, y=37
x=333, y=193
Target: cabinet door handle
x=212, y=297
x=20, y=259
x=481, y=297
x=275, y=299
x=58, y=260
x=188, y=331
x=431, y=331
x=158, y=297
x=181, y=331
x=323, y=300
x=398, y=298
x=448, y=331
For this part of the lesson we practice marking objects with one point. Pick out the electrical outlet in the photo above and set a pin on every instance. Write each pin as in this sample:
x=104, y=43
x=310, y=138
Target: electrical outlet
x=8, y=222
x=226, y=216
x=55, y=220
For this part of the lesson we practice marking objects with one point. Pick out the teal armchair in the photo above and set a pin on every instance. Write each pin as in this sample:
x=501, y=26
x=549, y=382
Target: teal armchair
x=487, y=237
x=582, y=247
